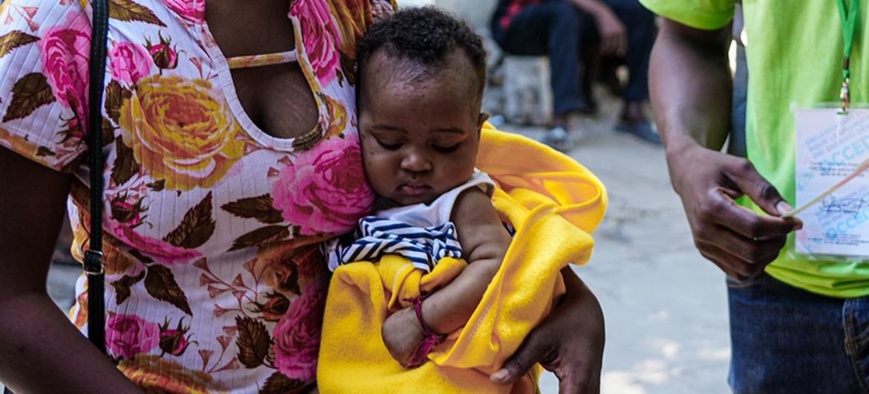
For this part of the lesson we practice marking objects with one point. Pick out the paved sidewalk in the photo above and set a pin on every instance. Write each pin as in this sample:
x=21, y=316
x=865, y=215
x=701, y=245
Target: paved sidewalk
x=665, y=306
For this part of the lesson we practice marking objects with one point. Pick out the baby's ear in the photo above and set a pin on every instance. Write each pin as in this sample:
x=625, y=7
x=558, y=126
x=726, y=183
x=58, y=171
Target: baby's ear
x=484, y=116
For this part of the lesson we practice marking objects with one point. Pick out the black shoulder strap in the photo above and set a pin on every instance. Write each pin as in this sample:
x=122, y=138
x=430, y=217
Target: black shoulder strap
x=93, y=260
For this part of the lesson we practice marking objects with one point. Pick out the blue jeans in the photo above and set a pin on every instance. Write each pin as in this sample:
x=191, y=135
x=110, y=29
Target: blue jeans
x=786, y=340
x=559, y=29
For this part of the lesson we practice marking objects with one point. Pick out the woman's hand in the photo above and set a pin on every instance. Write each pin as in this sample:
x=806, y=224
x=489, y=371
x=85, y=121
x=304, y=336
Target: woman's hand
x=569, y=342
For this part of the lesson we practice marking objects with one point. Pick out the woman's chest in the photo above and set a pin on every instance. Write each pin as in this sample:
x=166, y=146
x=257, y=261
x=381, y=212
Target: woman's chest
x=182, y=204
x=278, y=97
x=191, y=169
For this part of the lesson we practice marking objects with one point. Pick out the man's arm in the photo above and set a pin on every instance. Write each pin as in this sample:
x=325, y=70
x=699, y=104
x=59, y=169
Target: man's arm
x=593, y=7
x=691, y=85
x=613, y=34
x=691, y=90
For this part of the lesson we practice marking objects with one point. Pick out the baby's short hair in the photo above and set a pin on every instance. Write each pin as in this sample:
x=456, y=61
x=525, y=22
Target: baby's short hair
x=426, y=35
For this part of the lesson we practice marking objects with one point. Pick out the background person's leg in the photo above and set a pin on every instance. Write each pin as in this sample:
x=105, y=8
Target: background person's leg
x=552, y=28
x=787, y=340
x=642, y=30
x=640, y=23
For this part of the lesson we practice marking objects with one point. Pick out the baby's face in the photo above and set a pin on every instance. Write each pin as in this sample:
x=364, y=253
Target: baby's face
x=419, y=138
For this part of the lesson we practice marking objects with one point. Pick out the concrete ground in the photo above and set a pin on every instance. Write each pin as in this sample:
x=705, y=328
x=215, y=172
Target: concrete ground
x=665, y=306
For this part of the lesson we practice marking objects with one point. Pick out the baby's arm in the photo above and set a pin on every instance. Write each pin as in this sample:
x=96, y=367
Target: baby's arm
x=484, y=243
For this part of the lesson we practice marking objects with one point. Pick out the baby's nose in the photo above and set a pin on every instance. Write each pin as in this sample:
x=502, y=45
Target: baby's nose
x=416, y=162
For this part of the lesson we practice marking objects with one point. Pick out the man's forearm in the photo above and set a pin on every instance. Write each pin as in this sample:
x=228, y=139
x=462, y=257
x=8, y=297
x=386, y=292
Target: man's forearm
x=593, y=7
x=691, y=86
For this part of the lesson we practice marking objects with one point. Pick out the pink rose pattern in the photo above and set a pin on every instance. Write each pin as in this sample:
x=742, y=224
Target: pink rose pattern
x=192, y=11
x=325, y=191
x=129, y=62
x=163, y=54
x=188, y=257
x=129, y=335
x=65, y=52
x=297, y=335
x=320, y=37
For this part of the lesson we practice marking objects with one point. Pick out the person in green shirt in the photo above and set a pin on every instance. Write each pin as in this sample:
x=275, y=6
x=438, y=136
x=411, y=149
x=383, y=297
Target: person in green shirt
x=798, y=325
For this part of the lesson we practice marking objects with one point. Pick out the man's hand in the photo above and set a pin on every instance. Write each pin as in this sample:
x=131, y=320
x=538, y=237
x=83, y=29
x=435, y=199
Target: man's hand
x=569, y=342
x=736, y=239
x=613, y=34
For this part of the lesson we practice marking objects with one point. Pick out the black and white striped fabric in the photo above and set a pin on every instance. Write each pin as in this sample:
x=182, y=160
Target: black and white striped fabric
x=378, y=237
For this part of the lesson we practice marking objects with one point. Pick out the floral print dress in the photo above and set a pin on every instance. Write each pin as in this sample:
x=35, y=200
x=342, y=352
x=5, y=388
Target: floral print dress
x=214, y=278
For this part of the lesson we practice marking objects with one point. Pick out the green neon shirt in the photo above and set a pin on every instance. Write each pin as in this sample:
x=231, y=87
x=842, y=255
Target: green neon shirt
x=794, y=54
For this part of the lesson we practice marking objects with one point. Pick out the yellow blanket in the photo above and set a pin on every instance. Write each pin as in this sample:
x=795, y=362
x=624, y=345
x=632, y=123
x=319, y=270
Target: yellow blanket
x=552, y=201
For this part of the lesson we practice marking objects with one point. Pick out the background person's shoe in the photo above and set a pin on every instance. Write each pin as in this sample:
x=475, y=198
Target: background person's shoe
x=643, y=130
x=558, y=138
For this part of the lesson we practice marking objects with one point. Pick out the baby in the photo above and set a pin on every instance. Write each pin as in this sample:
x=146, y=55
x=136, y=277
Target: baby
x=436, y=258
x=421, y=80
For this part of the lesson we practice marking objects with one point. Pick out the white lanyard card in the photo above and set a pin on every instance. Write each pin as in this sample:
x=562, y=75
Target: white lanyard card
x=830, y=146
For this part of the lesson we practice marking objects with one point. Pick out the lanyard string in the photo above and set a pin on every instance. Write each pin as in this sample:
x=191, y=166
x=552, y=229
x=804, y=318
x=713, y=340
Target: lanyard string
x=849, y=29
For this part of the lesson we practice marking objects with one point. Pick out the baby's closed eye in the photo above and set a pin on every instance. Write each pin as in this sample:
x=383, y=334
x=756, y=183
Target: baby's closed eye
x=446, y=149
x=388, y=145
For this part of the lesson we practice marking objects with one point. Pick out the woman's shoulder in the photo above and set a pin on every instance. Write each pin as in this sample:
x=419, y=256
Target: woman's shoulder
x=43, y=57
x=354, y=8
x=41, y=15
x=349, y=17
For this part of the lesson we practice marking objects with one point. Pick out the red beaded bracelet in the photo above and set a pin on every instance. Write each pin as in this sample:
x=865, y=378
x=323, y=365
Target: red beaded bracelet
x=432, y=339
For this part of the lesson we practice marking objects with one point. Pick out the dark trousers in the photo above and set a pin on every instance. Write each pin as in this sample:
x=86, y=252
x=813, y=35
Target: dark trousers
x=563, y=32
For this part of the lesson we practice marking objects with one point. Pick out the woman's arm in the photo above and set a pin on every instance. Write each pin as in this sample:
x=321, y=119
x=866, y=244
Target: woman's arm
x=569, y=342
x=40, y=350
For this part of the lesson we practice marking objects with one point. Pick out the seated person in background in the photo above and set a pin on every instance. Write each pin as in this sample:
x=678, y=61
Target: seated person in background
x=421, y=75
x=570, y=33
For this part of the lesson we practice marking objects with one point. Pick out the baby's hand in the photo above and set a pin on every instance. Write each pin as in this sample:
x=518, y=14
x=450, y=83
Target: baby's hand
x=402, y=335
